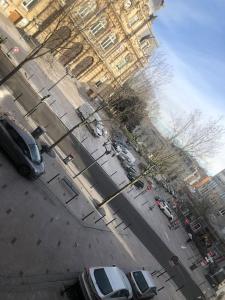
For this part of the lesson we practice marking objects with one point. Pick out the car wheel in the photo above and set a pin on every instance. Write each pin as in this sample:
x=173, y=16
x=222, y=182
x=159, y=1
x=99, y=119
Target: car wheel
x=24, y=170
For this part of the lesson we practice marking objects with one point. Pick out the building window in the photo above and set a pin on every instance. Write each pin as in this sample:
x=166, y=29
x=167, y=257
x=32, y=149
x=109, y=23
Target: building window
x=87, y=8
x=133, y=20
x=29, y=3
x=123, y=62
x=108, y=42
x=100, y=81
x=144, y=44
x=222, y=211
x=98, y=27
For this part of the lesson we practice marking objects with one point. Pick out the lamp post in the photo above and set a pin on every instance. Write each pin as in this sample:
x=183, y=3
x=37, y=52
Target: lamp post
x=107, y=152
x=60, y=79
x=36, y=106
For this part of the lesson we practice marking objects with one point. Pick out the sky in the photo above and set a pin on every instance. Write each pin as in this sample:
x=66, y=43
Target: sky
x=192, y=34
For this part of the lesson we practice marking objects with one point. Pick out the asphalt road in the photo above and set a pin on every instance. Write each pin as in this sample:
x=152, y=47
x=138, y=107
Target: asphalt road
x=102, y=183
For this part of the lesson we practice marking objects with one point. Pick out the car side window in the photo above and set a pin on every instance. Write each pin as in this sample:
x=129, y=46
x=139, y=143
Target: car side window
x=121, y=294
x=18, y=140
x=124, y=293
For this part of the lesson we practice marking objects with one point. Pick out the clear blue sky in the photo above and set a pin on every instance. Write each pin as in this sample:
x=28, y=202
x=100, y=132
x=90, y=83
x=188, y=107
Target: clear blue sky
x=192, y=33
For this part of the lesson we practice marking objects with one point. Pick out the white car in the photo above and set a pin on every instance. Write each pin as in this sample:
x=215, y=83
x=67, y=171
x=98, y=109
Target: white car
x=105, y=283
x=143, y=284
x=95, y=124
x=166, y=210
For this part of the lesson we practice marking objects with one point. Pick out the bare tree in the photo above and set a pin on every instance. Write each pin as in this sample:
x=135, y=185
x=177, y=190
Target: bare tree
x=55, y=37
x=196, y=135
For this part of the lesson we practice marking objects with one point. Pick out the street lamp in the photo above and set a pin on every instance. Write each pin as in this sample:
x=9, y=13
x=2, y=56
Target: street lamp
x=108, y=149
x=36, y=106
x=60, y=79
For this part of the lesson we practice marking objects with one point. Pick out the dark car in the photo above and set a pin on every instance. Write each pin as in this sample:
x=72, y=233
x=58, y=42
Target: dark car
x=131, y=176
x=21, y=148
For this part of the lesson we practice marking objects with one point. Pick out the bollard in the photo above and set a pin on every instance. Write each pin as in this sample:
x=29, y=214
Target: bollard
x=122, y=182
x=52, y=103
x=63, y=115
x=41, y=90
x=180, y=288
x=130, y=190
x=94, y=151
x=113, y=174
x=30, y=113
x=171, y=277
x=104, y=163
x=154, y=272
x=17, y=97
x=68, y=201
x=127, y=226
x=144, y=203
x=118, y=225
x=161, y=274
x=99, y=219
x=110, y=222
x=57, y=175
x=141, y=193
x=85, y=217
x=84, y=139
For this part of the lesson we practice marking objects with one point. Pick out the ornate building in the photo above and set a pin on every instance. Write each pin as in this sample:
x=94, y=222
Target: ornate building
x=104, y=42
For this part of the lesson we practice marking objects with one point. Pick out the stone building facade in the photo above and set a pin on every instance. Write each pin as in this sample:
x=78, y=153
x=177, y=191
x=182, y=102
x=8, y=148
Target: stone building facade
x=105, y=42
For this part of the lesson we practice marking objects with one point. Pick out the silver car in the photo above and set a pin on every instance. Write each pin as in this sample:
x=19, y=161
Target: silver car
x=21, y=148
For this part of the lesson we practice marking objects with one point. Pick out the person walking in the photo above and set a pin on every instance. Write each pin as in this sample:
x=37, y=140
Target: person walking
x=190, y=237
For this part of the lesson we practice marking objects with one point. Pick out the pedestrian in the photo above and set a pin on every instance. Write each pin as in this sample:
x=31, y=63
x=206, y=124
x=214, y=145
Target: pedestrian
x=190, y=238
x=174, y=261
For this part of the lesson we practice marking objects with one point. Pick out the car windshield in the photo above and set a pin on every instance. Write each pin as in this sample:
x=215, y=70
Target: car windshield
x=102, y=281
x=34, y=153
x=141, y=282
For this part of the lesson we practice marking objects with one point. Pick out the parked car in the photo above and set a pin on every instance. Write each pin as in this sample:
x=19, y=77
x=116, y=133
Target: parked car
x=126, y=164
x=21, y=148
x=166, y=210
x=126, y=155
x=143, y=284
x=138, y=184
x=105, y=283
x=95, y=124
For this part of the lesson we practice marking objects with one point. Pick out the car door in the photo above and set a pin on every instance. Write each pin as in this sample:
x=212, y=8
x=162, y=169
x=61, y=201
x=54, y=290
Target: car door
x=9, y=145
x=17, y=146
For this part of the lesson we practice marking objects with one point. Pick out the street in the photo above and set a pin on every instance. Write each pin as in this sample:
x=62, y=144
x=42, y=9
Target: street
x=103, y=183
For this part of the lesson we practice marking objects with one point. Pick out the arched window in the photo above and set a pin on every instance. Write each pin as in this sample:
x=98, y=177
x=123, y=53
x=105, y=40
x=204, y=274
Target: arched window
x=83, y=66
x=58, y=38
x=71, y=53
x=99, y=26
x=109, y=41
x=124, y=61
x=87, y=8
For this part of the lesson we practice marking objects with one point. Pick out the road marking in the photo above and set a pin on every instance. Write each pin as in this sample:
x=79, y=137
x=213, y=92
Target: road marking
x=183, y=247
x=166, y=234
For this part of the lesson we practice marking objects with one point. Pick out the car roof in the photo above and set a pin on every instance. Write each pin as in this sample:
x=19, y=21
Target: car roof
x=117, y=278
x=147, y=277
x=25, y=135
